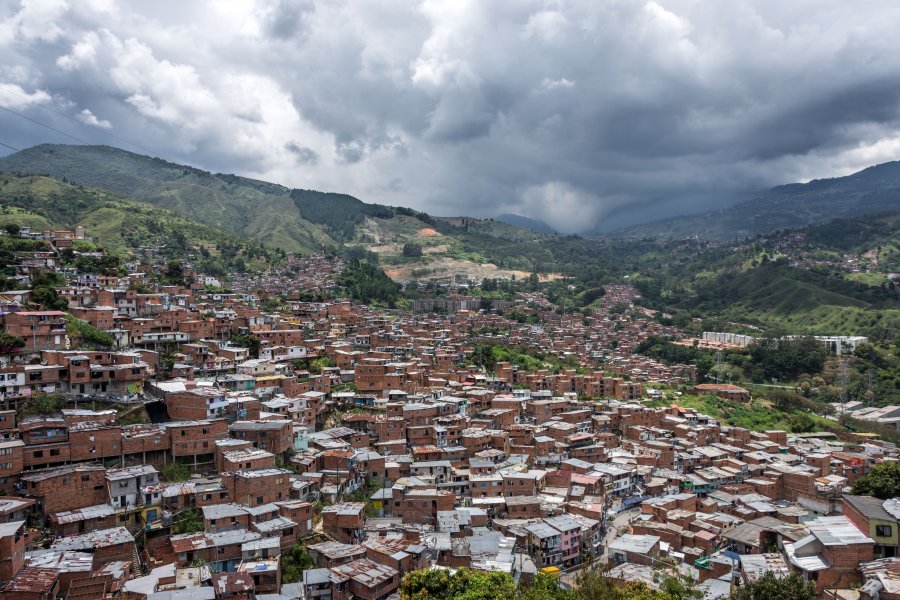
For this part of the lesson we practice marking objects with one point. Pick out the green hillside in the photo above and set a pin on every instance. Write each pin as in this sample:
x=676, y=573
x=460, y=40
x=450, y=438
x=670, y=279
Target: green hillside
x=774, y=294
x=294, y=220
x=123, y=226
x=254, y=209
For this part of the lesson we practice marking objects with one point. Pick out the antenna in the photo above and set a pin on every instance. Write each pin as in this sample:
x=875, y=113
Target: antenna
x=870, y=387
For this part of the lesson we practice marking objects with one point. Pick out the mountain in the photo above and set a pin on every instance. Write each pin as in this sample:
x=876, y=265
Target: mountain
x=525, y=223
x=409, y=244
x=253, y=209
x=124, y=226
x=872, y=190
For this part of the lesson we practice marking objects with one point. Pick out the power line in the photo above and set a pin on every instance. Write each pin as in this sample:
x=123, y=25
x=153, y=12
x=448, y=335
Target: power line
x=77, y=122
x=36, y=122
x=10, y=147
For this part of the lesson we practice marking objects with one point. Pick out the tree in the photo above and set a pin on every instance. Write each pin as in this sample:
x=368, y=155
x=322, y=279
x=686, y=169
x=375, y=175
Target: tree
x=317, y=364
x=463, y=584
x=679, y=587
x=596, y=585
x=189, y=521
x=544, y=587
x=49, y=298
x=167, y=360
x=412, y=250
x=12, y=229
x=883, y=481
x=769, y=587
x=366, y=283
x=786, y=359
x=10, y=343
x=294, y=562
x=249, y=341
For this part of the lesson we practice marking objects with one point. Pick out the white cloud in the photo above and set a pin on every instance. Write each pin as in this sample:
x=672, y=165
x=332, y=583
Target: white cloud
x=84, y=52
x=36, y=20
x=552, y=84
x=14, y=96
x=89, y=118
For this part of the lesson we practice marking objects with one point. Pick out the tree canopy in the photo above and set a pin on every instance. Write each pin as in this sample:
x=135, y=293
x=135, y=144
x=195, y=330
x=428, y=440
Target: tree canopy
x=472, y=584
x=883, y=481
x=463, y=584
x=769, y=587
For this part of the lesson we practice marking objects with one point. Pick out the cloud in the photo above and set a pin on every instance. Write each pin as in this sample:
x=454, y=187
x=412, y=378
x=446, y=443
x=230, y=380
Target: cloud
x=576, y=112
x=89, y=118
x=14, y=96
x=552, y=84
x=559, y=204
x=303, y=154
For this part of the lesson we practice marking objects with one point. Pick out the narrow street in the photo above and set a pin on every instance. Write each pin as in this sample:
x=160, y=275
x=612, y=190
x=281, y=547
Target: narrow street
x=618, y=526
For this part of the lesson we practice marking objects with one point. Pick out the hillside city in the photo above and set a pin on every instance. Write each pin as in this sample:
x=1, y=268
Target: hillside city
x=209, y=439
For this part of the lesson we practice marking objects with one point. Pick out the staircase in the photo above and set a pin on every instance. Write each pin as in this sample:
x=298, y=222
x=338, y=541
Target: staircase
x=137, y=567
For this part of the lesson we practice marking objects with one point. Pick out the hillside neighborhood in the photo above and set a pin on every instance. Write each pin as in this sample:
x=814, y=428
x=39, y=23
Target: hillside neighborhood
x=214, y=435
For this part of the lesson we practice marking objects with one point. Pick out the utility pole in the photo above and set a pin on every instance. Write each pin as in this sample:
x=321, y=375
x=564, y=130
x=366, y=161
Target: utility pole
x=842, y=379
x=718, y=365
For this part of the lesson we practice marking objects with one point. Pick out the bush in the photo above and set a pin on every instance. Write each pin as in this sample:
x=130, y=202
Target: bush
x=769, y=587
x=189, y=521
x=83, y=333
x=174, y=473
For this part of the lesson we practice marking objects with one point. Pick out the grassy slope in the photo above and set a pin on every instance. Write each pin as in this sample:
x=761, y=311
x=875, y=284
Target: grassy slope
x=117, y=224
x=758, y=415
x=254, y=209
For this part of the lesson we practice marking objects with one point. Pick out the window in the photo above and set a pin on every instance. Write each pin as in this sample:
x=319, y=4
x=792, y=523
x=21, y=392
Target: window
x=38, y=454
x=883, y=530
x=54, y=452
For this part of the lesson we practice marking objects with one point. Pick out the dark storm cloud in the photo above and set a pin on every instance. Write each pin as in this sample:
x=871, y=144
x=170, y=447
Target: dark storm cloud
x=287, y=18
x=574, y=112
x=304, y=155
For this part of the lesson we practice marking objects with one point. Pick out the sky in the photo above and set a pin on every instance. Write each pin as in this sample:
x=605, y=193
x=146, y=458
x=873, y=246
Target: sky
x=587, y=115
